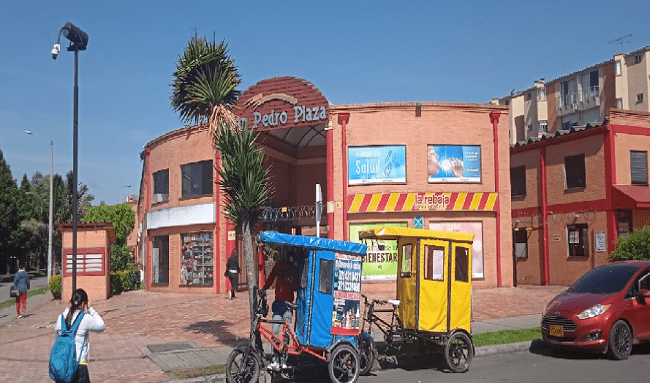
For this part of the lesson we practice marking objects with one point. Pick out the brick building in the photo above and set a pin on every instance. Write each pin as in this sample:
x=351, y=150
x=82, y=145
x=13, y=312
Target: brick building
x=575, y=192
x=426, y=165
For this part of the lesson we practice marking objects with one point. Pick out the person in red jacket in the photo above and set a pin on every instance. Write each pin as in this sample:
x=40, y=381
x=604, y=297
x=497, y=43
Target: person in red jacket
x=285, y=275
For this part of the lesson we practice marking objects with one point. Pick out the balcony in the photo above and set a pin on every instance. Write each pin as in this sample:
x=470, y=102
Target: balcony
x=575, y=101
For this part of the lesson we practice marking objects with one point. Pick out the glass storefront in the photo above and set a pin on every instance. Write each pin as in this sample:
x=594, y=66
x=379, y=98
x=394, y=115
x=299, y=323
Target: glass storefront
x=197, y=260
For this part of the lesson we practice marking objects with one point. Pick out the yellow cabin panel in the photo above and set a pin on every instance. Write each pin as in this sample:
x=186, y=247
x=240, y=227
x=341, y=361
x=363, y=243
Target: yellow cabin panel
x=406, y=281
x=433, y=277
x=461, y=287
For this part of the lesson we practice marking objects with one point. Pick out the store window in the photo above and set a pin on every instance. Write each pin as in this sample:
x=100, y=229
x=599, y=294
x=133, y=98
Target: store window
x=574, y=171
x=462, y=264
x=197, y=263
x=196, y=179
x=518, y=181
x=161, y=186
x=434, y=263
x=160, y=260
x=578, y=236
x=639, y=167
x=521, y=242
x=407, y=257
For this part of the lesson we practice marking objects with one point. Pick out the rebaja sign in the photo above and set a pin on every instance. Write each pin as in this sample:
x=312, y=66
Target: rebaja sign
x=282, y=102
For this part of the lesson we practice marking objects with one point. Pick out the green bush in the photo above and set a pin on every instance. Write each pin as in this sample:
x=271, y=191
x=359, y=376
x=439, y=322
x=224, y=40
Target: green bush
x=116, y=284
x=125, y=280
x=633, y=246
x=56, y=286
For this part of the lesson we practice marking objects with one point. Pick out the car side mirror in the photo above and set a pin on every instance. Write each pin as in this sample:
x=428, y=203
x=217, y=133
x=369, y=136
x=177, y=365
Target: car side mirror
x=643, y=293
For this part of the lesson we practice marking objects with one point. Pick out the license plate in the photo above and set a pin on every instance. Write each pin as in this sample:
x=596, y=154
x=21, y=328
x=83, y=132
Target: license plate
x=556, y=330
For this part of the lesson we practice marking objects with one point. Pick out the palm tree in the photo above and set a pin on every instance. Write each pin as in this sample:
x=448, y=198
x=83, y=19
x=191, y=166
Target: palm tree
x=243, y=180
x=204, y=89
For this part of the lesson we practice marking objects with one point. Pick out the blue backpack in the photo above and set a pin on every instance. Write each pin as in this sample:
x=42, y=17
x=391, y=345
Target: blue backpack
x=63, y=361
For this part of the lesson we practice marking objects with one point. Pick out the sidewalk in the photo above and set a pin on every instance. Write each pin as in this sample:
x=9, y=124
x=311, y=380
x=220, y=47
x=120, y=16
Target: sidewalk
x=185, y=330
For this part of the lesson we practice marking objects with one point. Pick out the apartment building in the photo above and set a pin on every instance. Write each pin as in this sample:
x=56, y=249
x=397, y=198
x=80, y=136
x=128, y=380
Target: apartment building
x=575, y=192
x=580, y=98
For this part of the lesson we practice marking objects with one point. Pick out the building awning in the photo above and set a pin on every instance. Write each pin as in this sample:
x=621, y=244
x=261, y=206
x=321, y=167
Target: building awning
x=631, y=197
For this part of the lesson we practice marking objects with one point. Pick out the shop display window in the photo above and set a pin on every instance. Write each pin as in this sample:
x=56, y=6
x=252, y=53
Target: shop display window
x=197, y=259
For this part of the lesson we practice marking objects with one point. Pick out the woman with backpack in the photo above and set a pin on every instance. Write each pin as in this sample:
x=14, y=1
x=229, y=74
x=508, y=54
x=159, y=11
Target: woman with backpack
x=90, y=321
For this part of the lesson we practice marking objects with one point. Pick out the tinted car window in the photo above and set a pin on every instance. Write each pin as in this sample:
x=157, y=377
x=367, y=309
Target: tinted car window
x=604, y=280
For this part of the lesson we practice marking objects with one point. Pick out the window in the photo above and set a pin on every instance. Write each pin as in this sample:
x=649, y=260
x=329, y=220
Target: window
x=543, y=126
x=325, y=276
x=529, y=96
x=161, y=186
x=541, y=93
x=639, y=97
x=639, y=167
x=529, y=127
x=518, y=181
x=567, y=125
x=578, y=240
x=624, y=222
x=639, y=57
x=619, y=103
x=197, y=259
x=160, y=260
x=196, y=179
x=407, y=257
x=462, y=264
x=521, y=242
x=89, y=262
x=618, y=68
x=434, y=263
x=574, y=171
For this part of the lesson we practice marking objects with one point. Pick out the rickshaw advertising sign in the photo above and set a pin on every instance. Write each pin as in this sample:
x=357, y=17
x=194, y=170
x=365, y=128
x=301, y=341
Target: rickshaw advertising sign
x=376, y=164
x=347, y=290
x=380, y=262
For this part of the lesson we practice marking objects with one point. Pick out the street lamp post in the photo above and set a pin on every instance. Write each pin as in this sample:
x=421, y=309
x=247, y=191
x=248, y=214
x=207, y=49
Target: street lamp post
x=78, y=42
x=49, y=239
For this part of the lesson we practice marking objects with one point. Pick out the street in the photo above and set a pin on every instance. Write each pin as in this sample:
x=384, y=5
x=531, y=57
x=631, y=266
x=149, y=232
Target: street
x=539, y=364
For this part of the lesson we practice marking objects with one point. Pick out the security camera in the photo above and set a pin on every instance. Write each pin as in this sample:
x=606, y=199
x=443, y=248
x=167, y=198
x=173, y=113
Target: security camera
x=55, y=50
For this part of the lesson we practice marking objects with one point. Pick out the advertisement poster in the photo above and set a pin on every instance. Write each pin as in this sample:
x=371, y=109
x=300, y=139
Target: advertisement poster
x=347, y=293
x=376, y=164
x=475, y=228
x=454, y=163
x=380, y=263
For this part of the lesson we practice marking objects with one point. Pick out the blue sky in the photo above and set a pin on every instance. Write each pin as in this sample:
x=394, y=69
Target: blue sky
x=353, y=51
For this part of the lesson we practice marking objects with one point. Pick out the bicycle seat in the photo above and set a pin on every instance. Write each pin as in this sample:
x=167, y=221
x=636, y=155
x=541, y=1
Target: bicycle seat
x=394, y=302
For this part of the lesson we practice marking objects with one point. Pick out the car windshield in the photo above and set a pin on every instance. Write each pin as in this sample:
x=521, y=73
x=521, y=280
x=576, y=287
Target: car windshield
x=607, y=279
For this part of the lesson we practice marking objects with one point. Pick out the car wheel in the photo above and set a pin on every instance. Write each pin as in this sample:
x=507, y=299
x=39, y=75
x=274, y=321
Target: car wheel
x=620, y=341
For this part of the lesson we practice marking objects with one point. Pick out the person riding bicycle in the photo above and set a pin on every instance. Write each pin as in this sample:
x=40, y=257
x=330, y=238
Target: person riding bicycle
x=285, y=275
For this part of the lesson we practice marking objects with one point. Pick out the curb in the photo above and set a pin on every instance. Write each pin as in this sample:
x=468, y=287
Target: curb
x=480, y=352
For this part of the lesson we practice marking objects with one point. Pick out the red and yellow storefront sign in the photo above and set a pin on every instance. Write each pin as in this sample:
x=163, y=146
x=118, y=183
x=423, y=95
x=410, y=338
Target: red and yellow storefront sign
x=436, y=201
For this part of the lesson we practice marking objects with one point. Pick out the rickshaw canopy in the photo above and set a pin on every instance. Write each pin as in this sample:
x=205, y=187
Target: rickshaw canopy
x=389, y=232
x=313, y=243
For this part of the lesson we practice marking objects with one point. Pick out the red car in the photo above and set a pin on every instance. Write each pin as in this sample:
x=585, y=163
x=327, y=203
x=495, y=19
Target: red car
x=606, y=310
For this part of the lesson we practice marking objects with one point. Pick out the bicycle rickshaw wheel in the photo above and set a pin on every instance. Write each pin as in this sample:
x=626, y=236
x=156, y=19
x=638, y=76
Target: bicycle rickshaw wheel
x=459, y=351
x=240, y=371
x=343, y=365
x=366, y=354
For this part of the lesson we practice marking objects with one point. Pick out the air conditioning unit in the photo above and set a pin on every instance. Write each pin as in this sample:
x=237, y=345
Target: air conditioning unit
x=160, y=198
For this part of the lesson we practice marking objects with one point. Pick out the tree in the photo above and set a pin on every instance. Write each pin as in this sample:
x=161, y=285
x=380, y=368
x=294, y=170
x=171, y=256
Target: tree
x=121, y=216
x=244, y=183
x=205, y=82
x=9, y=218
x=632, y=246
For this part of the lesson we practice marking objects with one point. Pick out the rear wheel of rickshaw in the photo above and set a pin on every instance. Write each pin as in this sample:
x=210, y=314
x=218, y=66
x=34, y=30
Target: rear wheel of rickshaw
x=343, y=365
x=242, y=367
x=366, y=354
x=459, y=351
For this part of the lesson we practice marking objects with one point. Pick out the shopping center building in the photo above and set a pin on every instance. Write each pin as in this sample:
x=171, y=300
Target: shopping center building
x=444, y=166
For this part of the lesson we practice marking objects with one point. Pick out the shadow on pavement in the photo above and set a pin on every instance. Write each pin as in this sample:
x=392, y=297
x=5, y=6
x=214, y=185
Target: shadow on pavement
x=539, y=348
x=218, y=329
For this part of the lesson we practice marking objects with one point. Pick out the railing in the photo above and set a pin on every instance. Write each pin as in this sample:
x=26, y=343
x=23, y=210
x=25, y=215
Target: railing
x=287, y=214
x=592, y=92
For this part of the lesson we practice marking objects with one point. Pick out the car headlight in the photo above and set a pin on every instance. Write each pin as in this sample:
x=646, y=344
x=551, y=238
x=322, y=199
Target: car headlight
x=593, y=311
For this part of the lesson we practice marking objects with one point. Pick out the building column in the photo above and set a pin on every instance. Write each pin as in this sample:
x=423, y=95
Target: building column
x=330, y=182
x=147, y=263
x=545, y=233
x=343, y=119
x=494, y=118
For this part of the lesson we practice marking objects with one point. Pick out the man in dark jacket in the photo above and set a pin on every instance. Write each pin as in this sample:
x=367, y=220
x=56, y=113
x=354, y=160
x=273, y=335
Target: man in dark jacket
x=232, y=272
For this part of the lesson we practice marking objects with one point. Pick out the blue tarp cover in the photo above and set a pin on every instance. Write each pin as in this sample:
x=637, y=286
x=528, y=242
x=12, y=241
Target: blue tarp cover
x=313, y=243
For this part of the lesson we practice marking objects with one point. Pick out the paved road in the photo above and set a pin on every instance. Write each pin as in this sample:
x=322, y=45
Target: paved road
x=9, y=313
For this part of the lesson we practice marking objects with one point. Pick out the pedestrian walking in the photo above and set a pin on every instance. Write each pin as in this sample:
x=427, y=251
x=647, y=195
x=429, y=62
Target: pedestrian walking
x=21, y=280
x=232, y=272
x=89, y=322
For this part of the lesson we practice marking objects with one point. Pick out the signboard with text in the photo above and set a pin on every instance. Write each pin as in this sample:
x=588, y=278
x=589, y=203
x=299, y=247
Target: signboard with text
x=346, y=319
x=380, y=262
x=376, y=164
